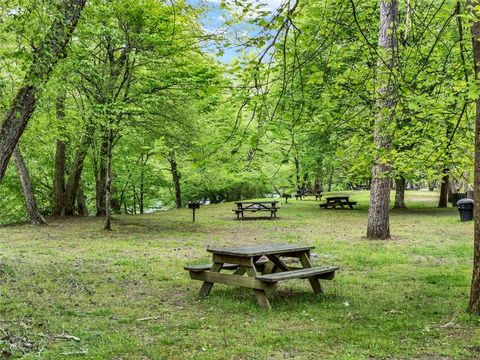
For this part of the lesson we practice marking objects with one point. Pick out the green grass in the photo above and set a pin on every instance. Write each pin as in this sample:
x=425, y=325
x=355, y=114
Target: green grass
x=399, y=299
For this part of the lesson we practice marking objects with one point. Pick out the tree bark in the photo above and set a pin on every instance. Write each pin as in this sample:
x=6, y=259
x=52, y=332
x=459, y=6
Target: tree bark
x=75, y=175
x=297, y=173
x=101, y=179
x=474, y=303
x=443, y=199
x=60, y=164
x=142, y=189
x=45, y=57
x=108, y=183
x=82, y=208
x=330, y=179
x=176, y=181
x=378, y=226
x=30, y=203
x=400, y=193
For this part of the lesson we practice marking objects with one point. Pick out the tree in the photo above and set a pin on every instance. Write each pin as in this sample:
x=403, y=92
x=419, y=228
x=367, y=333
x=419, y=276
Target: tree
x=378, y=226
x=45, y=57
x=60, y=163
x=474, y=304
x=30, y=203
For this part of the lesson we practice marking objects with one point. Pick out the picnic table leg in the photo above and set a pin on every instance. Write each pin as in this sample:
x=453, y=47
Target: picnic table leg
x=268, y=268
x=305, y=260
x=207, y=286
x=240, y=271
x=259, y=294
x=278, y=263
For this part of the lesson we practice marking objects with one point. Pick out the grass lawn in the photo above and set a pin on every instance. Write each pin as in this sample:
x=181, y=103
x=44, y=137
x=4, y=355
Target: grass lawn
x=72, y=290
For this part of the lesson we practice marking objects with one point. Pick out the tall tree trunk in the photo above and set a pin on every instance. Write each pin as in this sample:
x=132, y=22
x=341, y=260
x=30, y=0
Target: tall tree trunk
x=101, y=181
x=108, y=183
x=75, y=175
x=142, y=188
x=82, y=208
x=134, y=193
x=474, y=304
x=378, y=226
x=443, y=199
x=45, y=57
x=60, y=161
x=305, y=181
x=30, y=203
x=176, y=181
x=400, y=193
x=330, y=179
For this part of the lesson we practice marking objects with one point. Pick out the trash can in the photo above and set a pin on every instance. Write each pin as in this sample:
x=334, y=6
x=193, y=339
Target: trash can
x=465, y=208
x=456, y=197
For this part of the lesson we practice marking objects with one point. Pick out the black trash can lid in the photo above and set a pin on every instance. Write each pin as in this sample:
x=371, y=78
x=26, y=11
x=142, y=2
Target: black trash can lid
x=464, y=201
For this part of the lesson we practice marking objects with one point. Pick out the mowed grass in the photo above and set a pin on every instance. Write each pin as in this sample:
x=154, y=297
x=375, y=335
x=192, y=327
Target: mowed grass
x=72, y=290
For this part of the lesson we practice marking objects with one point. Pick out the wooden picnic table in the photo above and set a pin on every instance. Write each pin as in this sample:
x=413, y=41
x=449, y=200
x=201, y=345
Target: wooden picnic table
x=334, y=202
x=263, y=266
x=301, y=193
x=255, y=206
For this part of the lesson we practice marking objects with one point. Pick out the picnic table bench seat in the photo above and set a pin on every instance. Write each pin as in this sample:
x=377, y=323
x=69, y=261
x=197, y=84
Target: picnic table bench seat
x=225, y=266
x=324, y=272
x=206, y=267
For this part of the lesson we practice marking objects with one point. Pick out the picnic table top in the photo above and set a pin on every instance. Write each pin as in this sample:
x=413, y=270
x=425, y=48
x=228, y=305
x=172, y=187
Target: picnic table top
x=339, y=197
x=258, y=250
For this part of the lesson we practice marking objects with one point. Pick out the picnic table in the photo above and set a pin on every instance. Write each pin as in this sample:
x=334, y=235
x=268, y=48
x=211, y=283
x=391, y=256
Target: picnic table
x=301, y=193
x=334, y=202
x=264, y=267
x=255, y=206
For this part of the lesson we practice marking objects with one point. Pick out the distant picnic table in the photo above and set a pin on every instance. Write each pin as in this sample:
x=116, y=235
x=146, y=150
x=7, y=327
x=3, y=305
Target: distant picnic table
x=255, y=206
x=301, y=193
x=264, y=267
x=334, y=202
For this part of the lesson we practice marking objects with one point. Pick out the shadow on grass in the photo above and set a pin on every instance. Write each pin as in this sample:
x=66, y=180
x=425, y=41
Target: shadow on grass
x=257, y=218
x=280, y=299
x=425, y=211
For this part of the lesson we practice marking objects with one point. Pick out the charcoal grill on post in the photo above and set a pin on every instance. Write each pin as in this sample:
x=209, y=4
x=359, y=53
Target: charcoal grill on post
x=194, y=206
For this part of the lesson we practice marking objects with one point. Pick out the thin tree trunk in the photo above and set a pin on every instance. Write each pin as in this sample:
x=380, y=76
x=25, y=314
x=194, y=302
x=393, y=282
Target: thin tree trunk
x=134, y=193
x=443, y=199
x=81, y=202
x=330, y=180
x=176, y=181
x=474, y=303
x=60, y=163
x=45, y=57
x=400, y=193
x=142, y=188
x=378, y=226
x=100, y=188
x=30, y=203
x=297, y=173
x=108, y=183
